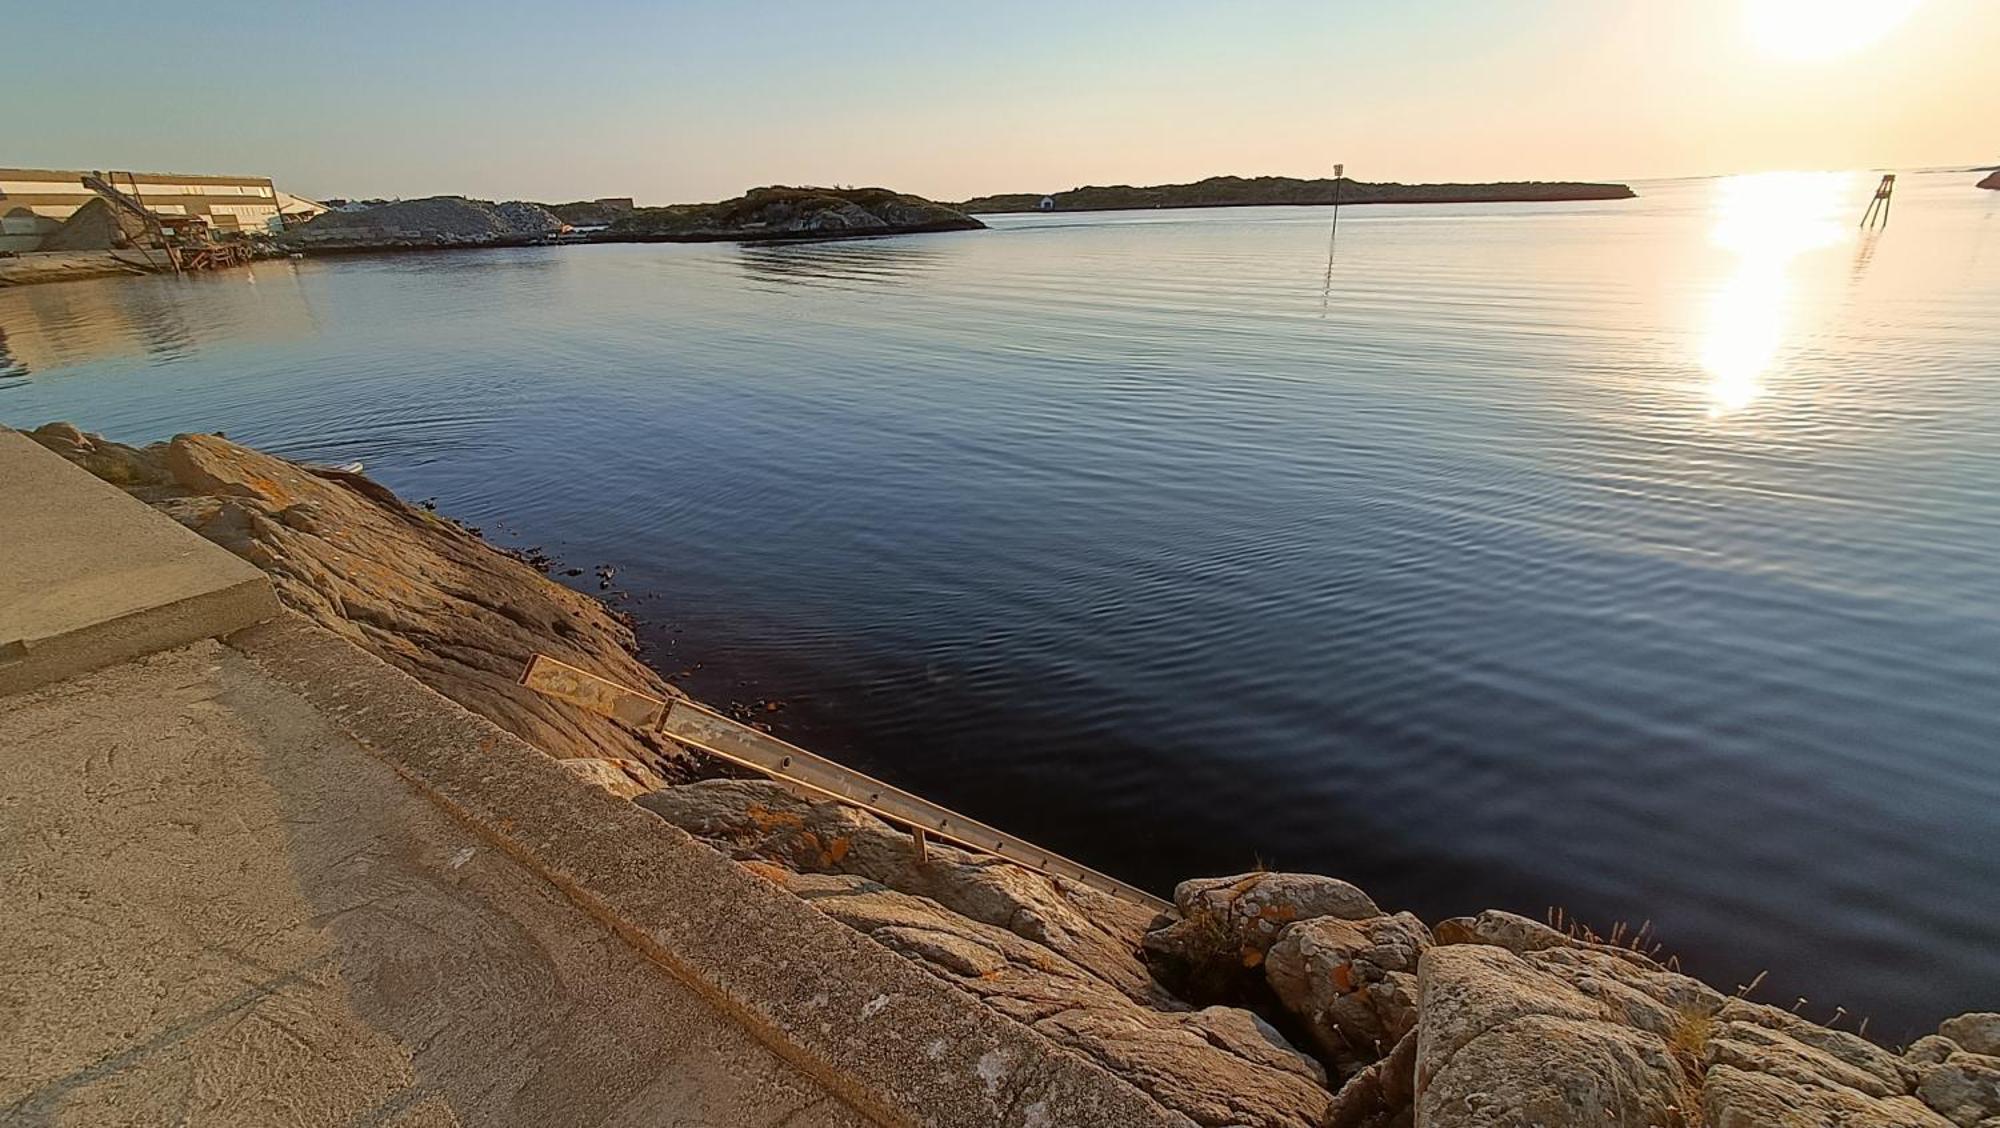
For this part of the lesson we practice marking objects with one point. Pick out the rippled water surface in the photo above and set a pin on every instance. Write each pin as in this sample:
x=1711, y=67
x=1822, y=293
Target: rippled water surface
x=1638, y=557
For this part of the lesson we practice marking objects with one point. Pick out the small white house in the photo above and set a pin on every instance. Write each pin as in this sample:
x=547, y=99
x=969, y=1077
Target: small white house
x=1048, y=203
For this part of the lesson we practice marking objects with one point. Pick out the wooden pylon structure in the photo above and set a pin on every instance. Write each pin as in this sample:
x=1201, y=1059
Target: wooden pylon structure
x=1878, y=208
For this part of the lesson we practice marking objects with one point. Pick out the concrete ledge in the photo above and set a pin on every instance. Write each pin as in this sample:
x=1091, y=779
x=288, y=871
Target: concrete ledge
x=90, y=575
x=871, y=1026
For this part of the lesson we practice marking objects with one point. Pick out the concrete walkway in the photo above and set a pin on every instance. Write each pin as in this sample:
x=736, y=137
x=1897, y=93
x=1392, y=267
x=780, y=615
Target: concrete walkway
x=223, y=911
x=252, y=875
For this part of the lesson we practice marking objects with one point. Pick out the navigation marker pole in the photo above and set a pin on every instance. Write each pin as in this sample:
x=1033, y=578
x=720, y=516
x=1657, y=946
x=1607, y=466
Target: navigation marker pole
x=1883, y=193
x=1326, y=294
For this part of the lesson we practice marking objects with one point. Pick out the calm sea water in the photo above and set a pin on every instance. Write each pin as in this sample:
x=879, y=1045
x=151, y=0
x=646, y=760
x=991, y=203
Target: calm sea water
x=1640, y=557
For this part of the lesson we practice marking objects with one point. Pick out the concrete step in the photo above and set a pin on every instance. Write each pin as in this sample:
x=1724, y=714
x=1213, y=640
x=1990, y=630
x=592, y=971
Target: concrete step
x=91, y=576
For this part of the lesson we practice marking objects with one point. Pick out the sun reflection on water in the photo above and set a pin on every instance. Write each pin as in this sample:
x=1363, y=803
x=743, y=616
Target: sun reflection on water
x=1767, y=221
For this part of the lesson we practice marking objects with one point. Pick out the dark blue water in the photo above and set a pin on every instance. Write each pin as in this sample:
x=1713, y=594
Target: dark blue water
x=1641, y=558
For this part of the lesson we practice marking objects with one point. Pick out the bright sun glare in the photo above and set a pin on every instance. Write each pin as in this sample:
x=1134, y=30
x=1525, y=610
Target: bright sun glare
x=1816, y=30
x=1766, y=221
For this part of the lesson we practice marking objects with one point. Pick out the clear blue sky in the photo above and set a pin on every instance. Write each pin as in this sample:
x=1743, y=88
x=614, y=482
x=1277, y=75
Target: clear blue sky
x=683, y=101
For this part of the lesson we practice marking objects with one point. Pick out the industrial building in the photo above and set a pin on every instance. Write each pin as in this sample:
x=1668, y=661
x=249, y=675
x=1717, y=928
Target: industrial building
x=36, y=201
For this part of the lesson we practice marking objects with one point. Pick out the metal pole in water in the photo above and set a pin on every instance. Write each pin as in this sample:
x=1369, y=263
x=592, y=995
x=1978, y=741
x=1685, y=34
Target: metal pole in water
x=1332, y=236
x=1878, y=208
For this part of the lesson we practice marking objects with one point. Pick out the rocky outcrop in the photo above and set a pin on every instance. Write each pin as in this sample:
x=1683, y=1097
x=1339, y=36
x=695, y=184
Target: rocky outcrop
x=1958, y=1069
x=1059, y=958
x=1991, y=180
x=422, y=593
x=433, y=222
x=1352, y=983
x=1215, y=949
x=1276, y=1000
x=779, y=213
x=1976, y=1032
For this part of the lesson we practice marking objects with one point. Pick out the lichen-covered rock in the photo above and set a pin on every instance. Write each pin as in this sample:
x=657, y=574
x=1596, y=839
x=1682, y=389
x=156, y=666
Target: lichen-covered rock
x=1501, y=1042
x=1975, y=1032
x=1736, y=1098
x=1540, y=1071
x=1351, y=983
x=1964, y=1089
x=758, y=819
x=416, y=590
x=1226, y=925
x=1218, y=1066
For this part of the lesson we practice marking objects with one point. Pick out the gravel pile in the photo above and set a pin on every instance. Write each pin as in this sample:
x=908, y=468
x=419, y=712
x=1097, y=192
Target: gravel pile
x=438, y=221
x=96, y=226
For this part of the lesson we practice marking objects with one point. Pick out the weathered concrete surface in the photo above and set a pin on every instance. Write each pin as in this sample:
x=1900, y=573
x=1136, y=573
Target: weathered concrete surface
x=871, y=1026
x=221, y=910
x=89, y=576
x=410, y=587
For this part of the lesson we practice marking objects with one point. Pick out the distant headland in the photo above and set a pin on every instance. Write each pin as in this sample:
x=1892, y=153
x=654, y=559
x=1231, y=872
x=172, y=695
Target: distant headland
x=1238, y=192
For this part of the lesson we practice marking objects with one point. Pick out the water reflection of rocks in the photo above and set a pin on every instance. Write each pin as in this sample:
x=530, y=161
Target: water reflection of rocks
x=851, y=264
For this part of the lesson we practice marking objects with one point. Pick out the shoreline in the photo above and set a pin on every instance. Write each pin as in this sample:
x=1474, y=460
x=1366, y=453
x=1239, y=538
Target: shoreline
x=1246, y=949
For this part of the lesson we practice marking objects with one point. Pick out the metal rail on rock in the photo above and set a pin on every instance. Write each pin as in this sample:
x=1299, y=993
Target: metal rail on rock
x=690, y=724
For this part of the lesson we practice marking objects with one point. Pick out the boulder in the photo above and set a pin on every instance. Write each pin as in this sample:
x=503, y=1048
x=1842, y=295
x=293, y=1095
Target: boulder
x=1352, y=984
x=1501, y=1042
x=416, y=590
x=1991, y=180
x=1976, y=1032
x=1931, y=1049
x=1541, y=1071
x=1736, y=1098
x=1218, y=1066
x=1965, y=1089
x=1227, y=924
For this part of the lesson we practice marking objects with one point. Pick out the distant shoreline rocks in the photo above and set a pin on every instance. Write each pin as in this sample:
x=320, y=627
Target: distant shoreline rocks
x=760, y=215
x=1992, y=180
x=427, y=224
x=782, y=213
x=1261, y=191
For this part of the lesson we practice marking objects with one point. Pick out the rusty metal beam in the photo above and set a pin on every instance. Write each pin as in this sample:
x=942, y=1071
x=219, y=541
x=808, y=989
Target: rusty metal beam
x=719, y=736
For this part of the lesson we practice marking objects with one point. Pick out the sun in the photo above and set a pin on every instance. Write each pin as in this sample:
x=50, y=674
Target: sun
x=1819, y=30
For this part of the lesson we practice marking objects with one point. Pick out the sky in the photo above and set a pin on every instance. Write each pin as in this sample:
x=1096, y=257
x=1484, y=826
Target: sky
x=674, y=102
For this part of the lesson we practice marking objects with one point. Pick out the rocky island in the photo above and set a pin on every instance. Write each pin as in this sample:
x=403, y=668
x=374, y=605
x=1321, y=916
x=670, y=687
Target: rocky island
x=1237, y=191
x=1273, y=1000
x=780, y=213
x=1992, y=180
